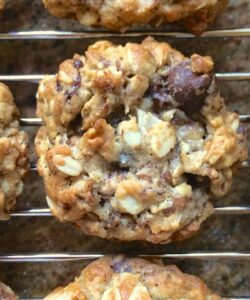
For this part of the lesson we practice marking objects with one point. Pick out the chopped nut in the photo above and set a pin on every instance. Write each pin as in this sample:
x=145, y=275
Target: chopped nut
x=88, y=18
x=62, y=294
x=216, y=122
x=129, y=204
x=140, y=60
x=160, y=51
x=161, y=135
x=64, y=77
x=168, y=115
x=222, y=145
x=163, y=138
x=132, y=138
x=131, y=134
x=129, y=197
x=135, y=89
x=159, y=224
x=146, y=120
x=128, y=187
x=184, y=190
x=112, y=294
x=163, y=205
x=67, y=165
x=99, y=138
x=140, y=292
x=201, y=64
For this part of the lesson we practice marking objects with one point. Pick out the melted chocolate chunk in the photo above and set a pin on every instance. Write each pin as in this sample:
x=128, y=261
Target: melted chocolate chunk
x=121, y=266
x=160, y=97
x=187, y=88
x=74, y=89
x=182, y=88
x=78, y=64
x=59, y=88
x=113, y=220
x=241, y=129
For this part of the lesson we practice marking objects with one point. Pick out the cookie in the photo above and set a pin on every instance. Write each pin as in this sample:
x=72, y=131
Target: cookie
x=13, y=153
x=119, y=15
x=133, y=278
x=136, y=140
x=6, y=293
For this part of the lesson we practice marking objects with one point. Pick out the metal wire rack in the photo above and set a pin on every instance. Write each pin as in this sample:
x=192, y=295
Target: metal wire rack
x=25, y=122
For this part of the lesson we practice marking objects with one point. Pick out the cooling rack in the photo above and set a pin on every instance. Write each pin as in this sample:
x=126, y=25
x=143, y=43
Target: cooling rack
x=26, y=122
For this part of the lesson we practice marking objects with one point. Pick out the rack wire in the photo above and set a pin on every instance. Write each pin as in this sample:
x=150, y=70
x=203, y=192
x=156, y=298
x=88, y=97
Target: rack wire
x=45, y=212
x=37, y=77
x=71, y=35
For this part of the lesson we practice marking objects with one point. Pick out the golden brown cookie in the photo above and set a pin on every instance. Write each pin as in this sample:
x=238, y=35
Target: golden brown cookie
x=136, y=140
x=116, y=278
x=195, y=15
x=13, y=153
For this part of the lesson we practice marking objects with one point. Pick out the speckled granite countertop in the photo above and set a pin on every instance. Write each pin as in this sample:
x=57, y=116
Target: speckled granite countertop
x=19, y=235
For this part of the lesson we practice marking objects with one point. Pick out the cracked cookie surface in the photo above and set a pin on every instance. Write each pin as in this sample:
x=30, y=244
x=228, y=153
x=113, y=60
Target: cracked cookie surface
x=195, y=15
x=133, y=279
x=13, y=153
x=136, y=140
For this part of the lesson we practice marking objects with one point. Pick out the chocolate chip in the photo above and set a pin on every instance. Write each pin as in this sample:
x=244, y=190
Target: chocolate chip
x=112, y=221
x=59, y=88
x=160, y=96
x=78, y=64
x=121, y=266
x=241, y=129
x=187, y=88
x=74, y=89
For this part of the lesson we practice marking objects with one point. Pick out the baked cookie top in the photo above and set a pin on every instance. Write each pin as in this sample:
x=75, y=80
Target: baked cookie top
x=136, y=140
x=133, y=279
x=13, y=153
x=6, y=293
x=195, y=15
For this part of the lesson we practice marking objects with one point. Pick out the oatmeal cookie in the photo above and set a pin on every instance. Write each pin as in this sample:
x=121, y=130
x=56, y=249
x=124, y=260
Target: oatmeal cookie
x=119, y=15
x=13, y=153
x=6, y=293
x=133, y=279
x=136, y=140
